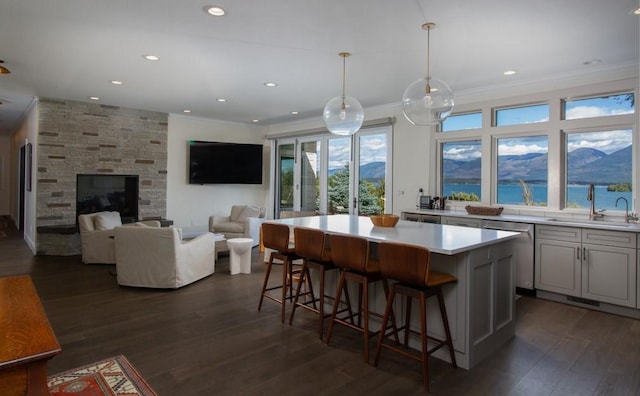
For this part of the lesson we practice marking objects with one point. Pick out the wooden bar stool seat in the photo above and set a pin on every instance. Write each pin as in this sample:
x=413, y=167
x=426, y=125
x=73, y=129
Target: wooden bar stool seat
x=352, y=255
x=313, y=246
x=276, y=237
x=409, y=266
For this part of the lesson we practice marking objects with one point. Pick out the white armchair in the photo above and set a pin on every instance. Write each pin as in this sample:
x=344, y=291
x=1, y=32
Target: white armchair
x=243, y=222
x=157, y=257
x=96, y=236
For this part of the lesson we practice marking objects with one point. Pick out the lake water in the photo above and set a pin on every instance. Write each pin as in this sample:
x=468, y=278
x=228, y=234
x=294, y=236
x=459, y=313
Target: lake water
x=577, y=195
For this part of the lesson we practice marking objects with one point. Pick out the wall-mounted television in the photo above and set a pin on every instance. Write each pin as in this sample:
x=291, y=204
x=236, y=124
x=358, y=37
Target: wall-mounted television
x=97, y=193
x=224, y=163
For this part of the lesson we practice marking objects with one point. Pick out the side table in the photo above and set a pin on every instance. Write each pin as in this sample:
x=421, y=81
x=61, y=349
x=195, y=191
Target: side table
x=240, y=255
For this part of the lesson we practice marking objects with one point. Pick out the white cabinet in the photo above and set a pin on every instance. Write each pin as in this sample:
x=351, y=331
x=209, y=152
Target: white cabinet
x=599, y=265
x=558, y=267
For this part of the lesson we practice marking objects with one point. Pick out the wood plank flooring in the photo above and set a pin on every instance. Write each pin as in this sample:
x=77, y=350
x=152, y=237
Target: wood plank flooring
x=209, y=339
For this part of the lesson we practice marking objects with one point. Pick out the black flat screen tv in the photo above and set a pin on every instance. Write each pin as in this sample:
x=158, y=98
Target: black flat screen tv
x=224, y=163
x=97, y=193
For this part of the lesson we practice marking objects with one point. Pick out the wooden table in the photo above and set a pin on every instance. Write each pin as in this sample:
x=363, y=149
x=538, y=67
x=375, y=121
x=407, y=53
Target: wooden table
x=27, y=340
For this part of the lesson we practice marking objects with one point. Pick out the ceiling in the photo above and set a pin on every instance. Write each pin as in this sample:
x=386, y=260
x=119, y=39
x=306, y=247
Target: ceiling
x=72, y=49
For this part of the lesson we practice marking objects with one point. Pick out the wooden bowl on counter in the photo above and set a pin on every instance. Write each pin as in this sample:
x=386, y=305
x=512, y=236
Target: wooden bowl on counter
x=384, y=220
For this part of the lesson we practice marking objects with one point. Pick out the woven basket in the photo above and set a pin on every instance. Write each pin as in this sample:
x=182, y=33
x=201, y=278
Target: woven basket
x=484, y=210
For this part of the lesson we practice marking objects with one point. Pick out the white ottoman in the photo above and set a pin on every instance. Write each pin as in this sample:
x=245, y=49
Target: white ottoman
x=240, y=255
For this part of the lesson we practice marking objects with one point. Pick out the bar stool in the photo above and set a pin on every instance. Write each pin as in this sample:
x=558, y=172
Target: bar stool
x=276, y=237
x=409, y=266
x=312, y=246
x=351, y=254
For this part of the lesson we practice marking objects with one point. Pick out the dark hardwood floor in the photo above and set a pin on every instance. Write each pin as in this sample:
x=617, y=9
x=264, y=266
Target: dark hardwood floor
x=209, y=339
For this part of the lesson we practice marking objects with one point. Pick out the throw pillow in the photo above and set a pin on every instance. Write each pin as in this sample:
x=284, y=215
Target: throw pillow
x=236, y=211
x=107, y=221
x=249, y=211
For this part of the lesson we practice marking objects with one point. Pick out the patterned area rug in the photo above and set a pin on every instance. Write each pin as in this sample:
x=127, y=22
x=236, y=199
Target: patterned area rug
x=110, y=377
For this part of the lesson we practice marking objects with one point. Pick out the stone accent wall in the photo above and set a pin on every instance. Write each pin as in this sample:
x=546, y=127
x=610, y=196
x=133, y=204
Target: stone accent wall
x=77, y=137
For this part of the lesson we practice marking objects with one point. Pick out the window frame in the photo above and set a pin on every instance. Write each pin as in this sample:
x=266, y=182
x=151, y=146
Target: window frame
x=563, y=102
x=495, y=110
x=554, y=130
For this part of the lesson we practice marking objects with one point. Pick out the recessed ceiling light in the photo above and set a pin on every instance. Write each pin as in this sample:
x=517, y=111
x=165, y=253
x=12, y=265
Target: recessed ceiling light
x=294, y=113
x=592, y=62
x=255, y=120
x=636, y=11
x=270, y=84
x=221, y=100
x=151, y=58
x=186, y=111
x=214, y=10
x=94, y=98
x=116, y=82
x=509, y=72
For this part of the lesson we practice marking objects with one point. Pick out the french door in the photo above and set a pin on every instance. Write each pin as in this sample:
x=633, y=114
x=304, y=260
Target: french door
x=334, y=174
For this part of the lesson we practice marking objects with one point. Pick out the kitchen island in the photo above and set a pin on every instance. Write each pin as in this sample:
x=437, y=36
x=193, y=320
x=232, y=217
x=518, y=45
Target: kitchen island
x=480, y=306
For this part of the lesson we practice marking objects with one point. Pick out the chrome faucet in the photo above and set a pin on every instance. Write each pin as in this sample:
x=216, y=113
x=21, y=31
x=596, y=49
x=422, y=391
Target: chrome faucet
x=591, y=196
x=626, y=209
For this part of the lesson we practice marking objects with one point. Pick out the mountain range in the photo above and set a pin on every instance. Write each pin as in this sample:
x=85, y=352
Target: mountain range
x=586, y=165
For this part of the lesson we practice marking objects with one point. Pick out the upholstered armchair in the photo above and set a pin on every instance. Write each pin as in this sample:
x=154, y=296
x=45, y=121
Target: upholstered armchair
x=159, y=258
x=243, y=222
x=96, y=236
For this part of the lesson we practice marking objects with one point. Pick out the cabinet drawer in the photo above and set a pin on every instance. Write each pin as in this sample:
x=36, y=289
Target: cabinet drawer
x=461, y=221
x=568, y=234
x=609, y=238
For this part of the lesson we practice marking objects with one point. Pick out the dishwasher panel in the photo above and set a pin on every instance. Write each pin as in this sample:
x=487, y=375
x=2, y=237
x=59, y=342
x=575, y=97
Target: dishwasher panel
x=523, y=246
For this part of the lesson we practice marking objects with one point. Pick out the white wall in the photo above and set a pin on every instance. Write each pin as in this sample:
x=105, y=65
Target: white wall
x=189, y=206
x=27, y=132
x=411, y=152
x=414, y=161
x=5, y=162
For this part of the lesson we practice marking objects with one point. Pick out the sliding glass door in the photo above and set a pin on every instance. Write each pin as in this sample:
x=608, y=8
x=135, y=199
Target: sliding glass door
x=334, y=174
x=285, y=164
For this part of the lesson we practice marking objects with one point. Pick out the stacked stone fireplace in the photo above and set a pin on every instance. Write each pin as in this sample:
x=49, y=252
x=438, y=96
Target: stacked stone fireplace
x=86, y=138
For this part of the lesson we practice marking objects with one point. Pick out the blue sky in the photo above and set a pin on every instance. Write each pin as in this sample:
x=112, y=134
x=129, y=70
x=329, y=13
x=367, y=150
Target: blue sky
x=606, y=141
x=374, y=147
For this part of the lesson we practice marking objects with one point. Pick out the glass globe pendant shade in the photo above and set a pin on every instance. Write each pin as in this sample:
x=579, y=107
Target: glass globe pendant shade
x=343, y=115
x=427, y=101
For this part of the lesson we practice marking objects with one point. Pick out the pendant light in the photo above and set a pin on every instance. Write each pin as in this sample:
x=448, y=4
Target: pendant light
x=427, y=101
x=343, y=115
x=3, y=70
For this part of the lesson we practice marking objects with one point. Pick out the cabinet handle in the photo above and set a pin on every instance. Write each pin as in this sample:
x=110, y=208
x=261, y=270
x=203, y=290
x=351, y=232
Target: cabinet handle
x=578, y=253
x=584, y=254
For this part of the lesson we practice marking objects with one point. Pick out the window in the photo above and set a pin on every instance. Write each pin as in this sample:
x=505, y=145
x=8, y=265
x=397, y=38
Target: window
x=461, y=122
x=522, y=171
x=461, y=166
x=522, y=115
x=598, y=106
x=603, y=158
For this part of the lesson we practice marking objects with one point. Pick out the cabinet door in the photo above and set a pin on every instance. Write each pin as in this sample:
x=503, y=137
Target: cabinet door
x=558, y=266
x=609, y=274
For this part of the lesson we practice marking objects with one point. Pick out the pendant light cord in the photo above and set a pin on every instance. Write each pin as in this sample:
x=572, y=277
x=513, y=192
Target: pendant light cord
x=344, y=74
x=428, y=54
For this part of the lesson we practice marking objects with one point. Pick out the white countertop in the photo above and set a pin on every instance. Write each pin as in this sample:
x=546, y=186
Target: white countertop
x=442, y=239
x=546, y=220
